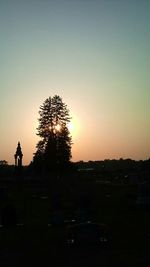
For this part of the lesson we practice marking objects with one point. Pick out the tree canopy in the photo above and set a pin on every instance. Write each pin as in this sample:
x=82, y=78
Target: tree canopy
x=54, y=147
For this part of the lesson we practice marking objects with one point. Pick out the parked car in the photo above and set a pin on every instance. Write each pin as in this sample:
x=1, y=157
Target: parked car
x=87, y=234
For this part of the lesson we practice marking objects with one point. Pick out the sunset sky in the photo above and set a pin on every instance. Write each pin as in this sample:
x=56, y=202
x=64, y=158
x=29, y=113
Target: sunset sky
x=95, y=54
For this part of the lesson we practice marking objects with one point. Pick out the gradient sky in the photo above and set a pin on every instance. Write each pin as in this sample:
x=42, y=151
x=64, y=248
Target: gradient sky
x=95, y=54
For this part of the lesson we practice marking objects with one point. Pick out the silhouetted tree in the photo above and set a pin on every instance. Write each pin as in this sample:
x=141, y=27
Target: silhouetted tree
x=54, y=148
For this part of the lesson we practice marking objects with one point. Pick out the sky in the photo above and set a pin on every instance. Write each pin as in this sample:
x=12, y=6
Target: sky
x=95, y=54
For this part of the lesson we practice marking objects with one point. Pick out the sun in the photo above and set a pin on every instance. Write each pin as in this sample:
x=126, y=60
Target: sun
x=73, y=127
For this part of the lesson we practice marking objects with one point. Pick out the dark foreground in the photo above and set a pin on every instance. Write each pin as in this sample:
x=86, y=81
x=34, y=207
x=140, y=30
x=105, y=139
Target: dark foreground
x=36, y=244
x=46, y=247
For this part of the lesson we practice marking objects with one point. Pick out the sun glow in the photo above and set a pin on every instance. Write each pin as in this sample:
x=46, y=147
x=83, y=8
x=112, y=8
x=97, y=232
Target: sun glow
x=73, y=127
x=58, y=128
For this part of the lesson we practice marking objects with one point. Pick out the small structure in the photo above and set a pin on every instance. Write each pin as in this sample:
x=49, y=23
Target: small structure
x=18, y=156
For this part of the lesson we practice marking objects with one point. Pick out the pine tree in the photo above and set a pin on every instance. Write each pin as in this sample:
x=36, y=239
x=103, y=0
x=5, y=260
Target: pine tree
x=54, y=148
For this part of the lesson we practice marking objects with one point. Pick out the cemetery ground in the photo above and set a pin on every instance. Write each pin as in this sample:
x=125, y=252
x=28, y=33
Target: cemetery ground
x=34, y=241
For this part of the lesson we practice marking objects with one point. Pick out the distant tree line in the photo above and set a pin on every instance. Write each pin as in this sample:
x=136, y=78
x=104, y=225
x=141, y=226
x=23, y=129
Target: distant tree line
x=3, y=163
x=104, y=168
x=114, y=164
